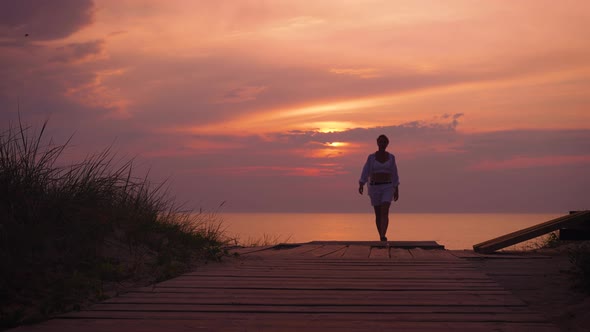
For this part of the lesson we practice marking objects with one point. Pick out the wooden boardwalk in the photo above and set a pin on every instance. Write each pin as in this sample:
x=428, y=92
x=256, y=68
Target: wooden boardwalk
x=319, y=286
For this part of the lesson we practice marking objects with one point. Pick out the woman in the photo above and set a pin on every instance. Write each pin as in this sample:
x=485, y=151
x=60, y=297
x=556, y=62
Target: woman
x=380, y=171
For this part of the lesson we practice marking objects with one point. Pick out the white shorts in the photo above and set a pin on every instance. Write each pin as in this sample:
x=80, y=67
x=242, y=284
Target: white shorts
x=381, y=193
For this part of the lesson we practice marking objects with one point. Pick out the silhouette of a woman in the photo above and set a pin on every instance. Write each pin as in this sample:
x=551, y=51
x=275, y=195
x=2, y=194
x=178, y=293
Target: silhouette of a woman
x=380, y=171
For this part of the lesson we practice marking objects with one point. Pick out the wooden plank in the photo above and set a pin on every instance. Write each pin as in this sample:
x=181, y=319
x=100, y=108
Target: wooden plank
x=338, y=297
x=195, y=307
x=438, y=254
x=532, y=232
x=287, y=323
x=277, y=288
x=287, y=252
x=365, y=315
x=358, y=273
x=339, y=263
x=312, y=271
x=336, y=254
x=313, y=299
x=345, y=277
x=352, y=264
x=438, y=275
x=466, y=254
x=335, y=297
x=319, y=270
x=433, y=254
x=311, y=260
x=400, y=254
x=379, y=253
x=393, y=279
x=384, y=266
x=329, y=285
x=354, y=251
x=364, y=275
x=394, y=244
x=327, y=249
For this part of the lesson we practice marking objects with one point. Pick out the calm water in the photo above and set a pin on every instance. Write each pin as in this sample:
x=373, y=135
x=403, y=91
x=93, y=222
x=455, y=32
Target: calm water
x=454, y=231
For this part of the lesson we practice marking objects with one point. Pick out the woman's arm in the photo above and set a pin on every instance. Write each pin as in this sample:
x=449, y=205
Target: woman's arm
x=364, y=175
x=394, y=174
x=395, y=179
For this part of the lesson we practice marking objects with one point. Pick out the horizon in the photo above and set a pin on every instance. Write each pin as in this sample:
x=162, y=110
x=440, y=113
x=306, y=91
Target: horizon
x=273, y=107
x=395, y=212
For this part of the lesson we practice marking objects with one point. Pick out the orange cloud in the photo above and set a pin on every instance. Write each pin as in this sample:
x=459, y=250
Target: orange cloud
x=358, y=72
x=97, y=93
x=329, y=126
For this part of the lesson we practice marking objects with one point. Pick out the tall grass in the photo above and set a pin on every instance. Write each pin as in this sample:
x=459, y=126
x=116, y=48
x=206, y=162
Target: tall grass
x=579, y=256
x=263, y=240
x=66, y=232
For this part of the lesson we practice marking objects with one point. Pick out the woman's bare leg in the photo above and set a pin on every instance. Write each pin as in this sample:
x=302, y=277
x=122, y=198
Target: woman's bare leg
x=384, y=219
x=378, y=219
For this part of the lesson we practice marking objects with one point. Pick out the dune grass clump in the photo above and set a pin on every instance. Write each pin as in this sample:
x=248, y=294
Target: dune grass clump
x=66, y=233
x=264, y=240
x=579, y=256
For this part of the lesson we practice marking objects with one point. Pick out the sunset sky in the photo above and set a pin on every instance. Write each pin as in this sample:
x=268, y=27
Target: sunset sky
x=274, y=105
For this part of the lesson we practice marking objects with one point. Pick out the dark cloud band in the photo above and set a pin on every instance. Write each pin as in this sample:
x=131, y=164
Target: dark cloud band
x=43, y=20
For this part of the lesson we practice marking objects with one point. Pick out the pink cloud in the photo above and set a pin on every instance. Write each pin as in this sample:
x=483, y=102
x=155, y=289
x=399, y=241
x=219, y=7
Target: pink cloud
x=79, y=52
x=319, y=170
x=529, y=162
x=241, y=94
x=190, y=147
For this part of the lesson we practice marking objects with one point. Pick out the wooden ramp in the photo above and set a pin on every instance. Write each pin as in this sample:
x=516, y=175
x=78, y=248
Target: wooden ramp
x=532, y=232
x=317, y=287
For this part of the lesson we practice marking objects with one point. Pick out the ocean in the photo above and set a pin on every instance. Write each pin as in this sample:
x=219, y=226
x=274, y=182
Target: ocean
x=453, y=230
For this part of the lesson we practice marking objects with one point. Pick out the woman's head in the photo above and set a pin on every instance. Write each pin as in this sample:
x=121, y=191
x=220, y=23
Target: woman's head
x=382, y=142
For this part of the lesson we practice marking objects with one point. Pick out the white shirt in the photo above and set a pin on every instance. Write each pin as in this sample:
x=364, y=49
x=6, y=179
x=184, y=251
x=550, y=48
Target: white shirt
x=373, y=166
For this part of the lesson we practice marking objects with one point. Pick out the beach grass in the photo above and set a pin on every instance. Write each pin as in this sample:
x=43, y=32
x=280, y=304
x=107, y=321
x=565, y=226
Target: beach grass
x=549, y=240
x=578, y=253
x=261, y=241
x=70, y=234
x=579, y=256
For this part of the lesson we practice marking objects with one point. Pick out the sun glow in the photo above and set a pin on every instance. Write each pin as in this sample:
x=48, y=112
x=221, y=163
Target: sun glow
x=331, y=126
x=329, y=150
x=336, y=144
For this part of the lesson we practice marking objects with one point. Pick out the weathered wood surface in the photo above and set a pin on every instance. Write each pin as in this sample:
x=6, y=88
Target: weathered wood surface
x=532, y=232
x=317, y=287
x=392, y=244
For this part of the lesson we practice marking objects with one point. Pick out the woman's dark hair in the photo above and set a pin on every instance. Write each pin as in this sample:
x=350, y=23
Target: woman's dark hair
x=383, y=136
